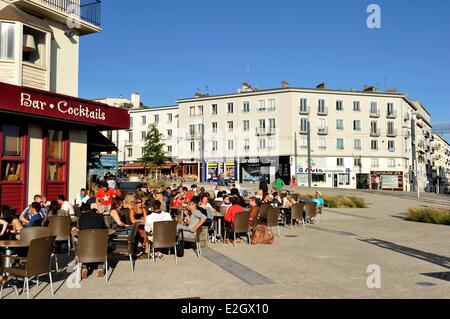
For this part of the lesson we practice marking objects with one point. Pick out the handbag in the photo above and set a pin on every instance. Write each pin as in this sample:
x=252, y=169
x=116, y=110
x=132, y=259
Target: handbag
x=180, y=249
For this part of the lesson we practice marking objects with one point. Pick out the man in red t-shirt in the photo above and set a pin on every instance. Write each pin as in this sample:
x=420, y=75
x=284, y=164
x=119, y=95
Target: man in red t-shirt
x=105, y=195
x=189, y=195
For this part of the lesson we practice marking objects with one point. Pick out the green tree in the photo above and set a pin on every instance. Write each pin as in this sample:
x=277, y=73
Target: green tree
x=153, y=153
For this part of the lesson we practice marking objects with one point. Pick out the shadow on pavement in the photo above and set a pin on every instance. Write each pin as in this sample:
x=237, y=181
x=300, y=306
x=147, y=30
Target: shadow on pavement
x=439, y=260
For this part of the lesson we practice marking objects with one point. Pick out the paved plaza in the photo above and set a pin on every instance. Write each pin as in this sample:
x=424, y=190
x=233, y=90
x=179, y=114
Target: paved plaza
x=328, y=260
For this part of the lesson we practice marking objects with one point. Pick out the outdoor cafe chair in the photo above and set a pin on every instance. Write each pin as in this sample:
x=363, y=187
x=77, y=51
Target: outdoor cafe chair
x=297, y=214
x=311, y=210
x=59, y=226
x=92, y=248
x=272, y=219
x=37, y=263
x=30, y=233
x=130, y=240
x=165, y=236
x=241, y=226
x=196, y=240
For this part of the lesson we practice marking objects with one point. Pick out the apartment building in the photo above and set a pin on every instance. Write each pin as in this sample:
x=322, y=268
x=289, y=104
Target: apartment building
x=440, y=164
x=356, y=136
x=44, y=127
x=130, y=142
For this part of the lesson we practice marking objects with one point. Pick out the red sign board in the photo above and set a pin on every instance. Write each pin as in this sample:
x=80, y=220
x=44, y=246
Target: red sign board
x=34, y=102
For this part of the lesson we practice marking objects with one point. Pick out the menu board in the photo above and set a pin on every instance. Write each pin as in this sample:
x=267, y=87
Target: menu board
x=389, y=181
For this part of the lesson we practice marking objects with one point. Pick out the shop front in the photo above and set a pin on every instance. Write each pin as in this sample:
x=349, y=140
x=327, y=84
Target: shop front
x=252, y=169
x=188, y=170
x=215, y=168
x=45, y=141
x=388, y=180
x=325, y=177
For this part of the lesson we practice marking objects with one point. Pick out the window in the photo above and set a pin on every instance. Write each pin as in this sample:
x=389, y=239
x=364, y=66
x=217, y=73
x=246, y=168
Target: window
x=375, y=162
x=109, y=135
x=37, y=53
x=144, y=119
x=339, y=161
x=230, y=108
x=230, y=145
x=214, y=146
x=322, y=143
x=262, y=124
x=130, y=152
x=130, y=137
x=272, y=124
x=272, y=106
x=200, y=109
x=339, y=105
x=156, y=118
x=143, y=135
x=390, y=109
x=357, y=162
x=391, y=163
x=246, y=107
x=340, y=125
x=303, y=106
x=271, y=145
x=169, y=148
x=246, y=125
x=7, y=40
x=262, y=144
x=169, y=133
x=357, y=125
x=169, y=118
x=303, y=125
x=340, y=143
x=374, y=145
x=303, y=143
x=374, y=127
x=142, y=151
x=321, y=106
x=390, y=128
x=247, y=144
x=214, y=127
x=214, y=110
x=192, y=111
x=322, y=124
x=356, y=106
x=373, y=108
x=56, y=156
x=11, y=157
x=391, y=145
x=230, y=125
x=357, y=144
x=131, y=122
x=261, y=105
x=192, y=146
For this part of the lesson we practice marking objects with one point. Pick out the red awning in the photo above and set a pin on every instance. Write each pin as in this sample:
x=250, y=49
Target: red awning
x=131, y=167
x=48, y=105
x=167, y=166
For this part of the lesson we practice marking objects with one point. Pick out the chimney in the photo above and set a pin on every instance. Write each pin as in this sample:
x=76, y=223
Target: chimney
x=322, y=85
x=391, y=90
x=136, y=100
x=284, y=84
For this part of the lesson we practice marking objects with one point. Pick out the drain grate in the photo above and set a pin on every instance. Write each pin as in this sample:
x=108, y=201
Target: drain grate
x=439, y=275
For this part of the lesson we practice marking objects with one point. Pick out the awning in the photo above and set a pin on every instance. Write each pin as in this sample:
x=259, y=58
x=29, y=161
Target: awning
x=167, y=166
x=97, y=142
x=131, y=167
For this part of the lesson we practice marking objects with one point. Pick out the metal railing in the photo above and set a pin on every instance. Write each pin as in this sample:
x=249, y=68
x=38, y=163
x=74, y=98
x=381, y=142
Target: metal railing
x=88, y=10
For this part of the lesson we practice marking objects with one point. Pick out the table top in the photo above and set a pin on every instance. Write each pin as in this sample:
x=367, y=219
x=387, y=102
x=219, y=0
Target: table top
x=13, y=244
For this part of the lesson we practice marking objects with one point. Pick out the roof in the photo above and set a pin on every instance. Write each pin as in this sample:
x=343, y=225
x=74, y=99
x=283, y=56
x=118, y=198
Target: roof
x=12, y=13
x=154, y=108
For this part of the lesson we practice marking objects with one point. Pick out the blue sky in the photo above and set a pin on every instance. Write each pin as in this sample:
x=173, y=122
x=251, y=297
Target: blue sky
x=167, y=49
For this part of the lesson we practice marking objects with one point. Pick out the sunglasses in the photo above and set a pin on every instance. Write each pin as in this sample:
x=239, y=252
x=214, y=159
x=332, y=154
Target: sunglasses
x=138, y=202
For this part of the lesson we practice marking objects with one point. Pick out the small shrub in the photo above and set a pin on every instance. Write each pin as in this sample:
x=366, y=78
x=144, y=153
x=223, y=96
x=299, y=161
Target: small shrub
x=429, y=215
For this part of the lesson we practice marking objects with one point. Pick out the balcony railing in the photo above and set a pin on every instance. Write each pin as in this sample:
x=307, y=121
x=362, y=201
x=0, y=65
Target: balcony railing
x=194, y=136
x=322, y=130
x=375, y=133
x=304, y=110
x=322, y=111
x=391, y=133
x=375, y=113
x=265, y=131
x=391, y=115
x=88, y=10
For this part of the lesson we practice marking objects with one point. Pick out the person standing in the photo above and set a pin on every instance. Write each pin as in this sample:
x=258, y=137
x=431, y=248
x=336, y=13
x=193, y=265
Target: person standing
x=279, y=184
x=293, y=182
x=263, y=185
x=377, y=182
x=106, y=195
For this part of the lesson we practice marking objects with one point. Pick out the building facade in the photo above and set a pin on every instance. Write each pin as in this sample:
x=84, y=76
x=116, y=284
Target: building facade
x=46, y=131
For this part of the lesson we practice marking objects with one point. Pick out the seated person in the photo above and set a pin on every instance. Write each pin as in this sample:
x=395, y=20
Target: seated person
x=25, y=216
x=254, y=212
x=114, y=218
x=3, y=227
x=157, y=215
x=230, y=215
x=66, y=207
x=194, y=220
x=320, y=202
x=90, y=219
x=35, y=215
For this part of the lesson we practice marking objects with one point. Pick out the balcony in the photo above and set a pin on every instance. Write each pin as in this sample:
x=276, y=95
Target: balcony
x=375, y=113
x=84, y=15
x=304, y=110
x=391, y=133
x=322, y=130
x=375, y=133
x=303, y=131
x=265, y=131
x=194, y=136
x=392, y=115
x=322, y=111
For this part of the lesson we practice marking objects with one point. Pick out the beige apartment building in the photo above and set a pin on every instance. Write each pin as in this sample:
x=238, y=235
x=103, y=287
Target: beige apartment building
x=45, y=129
x=441, y=164
x=357, y=137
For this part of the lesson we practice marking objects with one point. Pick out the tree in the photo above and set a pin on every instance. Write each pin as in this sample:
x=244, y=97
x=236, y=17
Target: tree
x=153, y=153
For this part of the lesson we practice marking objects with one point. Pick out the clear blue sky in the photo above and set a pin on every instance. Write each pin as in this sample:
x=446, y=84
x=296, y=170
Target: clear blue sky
x=166, y=49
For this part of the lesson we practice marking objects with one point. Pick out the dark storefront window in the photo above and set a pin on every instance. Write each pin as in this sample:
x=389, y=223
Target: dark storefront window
x=55, y=163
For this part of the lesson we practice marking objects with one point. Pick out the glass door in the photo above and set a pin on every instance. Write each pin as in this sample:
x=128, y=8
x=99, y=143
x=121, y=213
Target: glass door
x=56, y=157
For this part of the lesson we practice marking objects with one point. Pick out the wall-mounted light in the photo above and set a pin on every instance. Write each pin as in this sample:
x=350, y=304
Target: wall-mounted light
x=29, y=45
x=69, y=33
